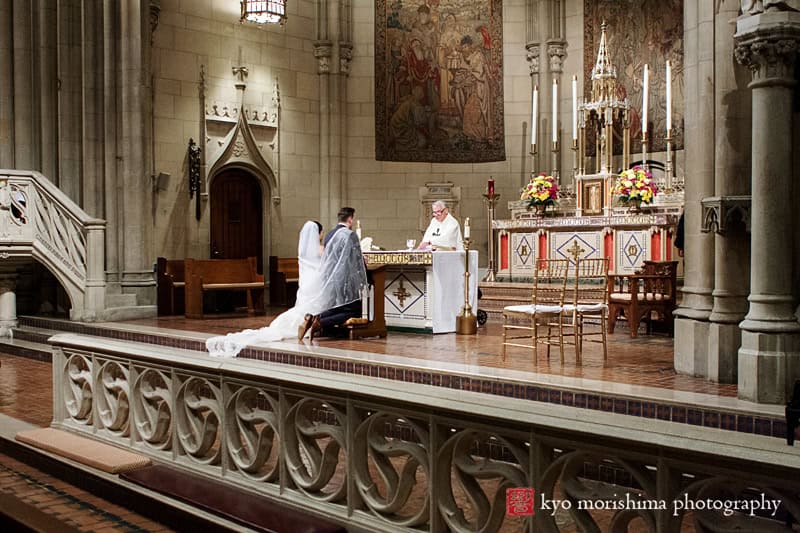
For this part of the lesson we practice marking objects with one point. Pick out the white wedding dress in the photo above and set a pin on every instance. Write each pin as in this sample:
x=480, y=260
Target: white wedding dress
x=285, y=325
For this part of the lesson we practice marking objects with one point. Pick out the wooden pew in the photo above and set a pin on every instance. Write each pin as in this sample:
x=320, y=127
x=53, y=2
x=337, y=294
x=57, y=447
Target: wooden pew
x=284, y=275
x=171, y=278
x=638, y=296
x=204, y=275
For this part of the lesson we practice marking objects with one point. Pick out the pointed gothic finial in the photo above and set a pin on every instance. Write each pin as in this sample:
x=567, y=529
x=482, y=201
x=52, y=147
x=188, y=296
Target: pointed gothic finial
x=603, y=67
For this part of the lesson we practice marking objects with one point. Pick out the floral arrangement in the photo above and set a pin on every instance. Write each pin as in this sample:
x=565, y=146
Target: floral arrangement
x=635, y=185
x=542, y=190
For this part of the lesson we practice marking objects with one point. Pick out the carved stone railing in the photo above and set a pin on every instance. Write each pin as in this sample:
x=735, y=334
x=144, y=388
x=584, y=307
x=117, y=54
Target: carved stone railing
x=380, y=455
x=38, y=220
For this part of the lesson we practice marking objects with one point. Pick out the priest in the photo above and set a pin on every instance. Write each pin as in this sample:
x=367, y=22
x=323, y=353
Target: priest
x=444, y=231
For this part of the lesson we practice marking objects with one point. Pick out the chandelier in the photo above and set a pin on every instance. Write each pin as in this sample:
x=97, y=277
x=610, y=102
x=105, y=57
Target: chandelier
x=264, y=11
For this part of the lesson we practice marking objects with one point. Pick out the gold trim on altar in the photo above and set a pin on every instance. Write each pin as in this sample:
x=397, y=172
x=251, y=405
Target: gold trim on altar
x=398, y=258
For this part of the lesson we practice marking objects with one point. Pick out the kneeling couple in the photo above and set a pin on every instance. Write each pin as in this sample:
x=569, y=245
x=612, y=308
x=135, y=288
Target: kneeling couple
x=330, y=285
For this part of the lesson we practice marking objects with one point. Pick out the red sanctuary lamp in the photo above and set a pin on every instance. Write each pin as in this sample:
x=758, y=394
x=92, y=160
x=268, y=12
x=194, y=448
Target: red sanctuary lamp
x=490, y=188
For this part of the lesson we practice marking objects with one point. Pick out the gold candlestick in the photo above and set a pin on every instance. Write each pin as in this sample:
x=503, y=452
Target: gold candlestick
x=644, y=150
x=491, y=200
x=466, y=321
x=668, y=163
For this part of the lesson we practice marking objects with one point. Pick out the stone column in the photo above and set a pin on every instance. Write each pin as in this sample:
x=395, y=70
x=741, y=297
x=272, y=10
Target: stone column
x=6, y=85
x=691, y=318
x=731, y=166
x=8, y=304
x=769, y=359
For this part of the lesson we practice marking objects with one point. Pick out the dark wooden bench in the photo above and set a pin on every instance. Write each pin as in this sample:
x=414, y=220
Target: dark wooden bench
x=171, y=278
x=251, y=510
x=204, y=275
x=284, y=275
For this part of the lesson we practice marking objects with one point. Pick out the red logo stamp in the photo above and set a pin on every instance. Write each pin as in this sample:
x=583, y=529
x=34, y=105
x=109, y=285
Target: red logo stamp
x=519, y=501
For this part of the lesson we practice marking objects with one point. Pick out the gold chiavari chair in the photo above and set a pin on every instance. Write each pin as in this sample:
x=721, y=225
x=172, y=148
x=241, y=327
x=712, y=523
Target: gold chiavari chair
x=550, y=317
x=591, y=290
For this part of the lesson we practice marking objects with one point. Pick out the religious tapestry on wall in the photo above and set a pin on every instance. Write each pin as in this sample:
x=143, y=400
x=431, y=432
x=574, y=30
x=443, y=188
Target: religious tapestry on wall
x=640, y=32
x=439, y=81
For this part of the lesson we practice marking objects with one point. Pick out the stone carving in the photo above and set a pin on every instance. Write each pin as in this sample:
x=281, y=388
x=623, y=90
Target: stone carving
x=345, y=56
x=532, y=55
x=152, y=413
x=767, y=58
x=556, y=52
x=252, y=433
x=401, y=462
x=113, y=397
x=197, y=420
x=77, y=386
x=312, y=447
x=59, y=233
x=753, y=7
x=721, y=212
x=458, y=461
x=323, y=51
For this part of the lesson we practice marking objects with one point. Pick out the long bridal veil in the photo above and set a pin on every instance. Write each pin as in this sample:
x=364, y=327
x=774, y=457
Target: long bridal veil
x=284, y=325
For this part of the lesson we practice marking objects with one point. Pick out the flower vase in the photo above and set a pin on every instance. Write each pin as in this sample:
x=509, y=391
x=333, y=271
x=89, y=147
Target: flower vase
x=541, y=209
x=635, y=205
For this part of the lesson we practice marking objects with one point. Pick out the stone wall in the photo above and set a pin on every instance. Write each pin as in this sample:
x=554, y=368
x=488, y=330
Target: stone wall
x=207, y=33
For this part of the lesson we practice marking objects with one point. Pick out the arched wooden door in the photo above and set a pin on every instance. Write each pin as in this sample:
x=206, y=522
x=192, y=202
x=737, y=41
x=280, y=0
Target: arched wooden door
x=236, y=216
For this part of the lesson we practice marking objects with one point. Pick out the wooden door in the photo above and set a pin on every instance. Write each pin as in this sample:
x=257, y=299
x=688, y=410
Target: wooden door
x=236, y=217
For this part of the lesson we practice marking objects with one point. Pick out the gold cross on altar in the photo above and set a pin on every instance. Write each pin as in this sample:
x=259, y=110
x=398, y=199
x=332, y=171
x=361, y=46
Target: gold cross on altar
x=401, y=294
x=575, y=251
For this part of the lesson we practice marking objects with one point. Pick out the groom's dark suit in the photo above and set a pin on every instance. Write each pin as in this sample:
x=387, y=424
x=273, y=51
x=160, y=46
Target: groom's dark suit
x=339, y=315
x=332, y=232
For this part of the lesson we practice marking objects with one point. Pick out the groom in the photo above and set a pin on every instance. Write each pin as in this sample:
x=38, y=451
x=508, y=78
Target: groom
x=342, y=257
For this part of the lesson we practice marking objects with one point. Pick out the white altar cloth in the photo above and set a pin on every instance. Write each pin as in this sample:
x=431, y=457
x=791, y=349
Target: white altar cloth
x=448, y=288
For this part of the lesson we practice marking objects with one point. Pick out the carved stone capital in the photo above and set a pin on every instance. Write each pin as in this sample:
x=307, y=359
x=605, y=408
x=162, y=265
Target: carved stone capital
x=719, y=212
x=557, y=52
x=323, y=50
x=767, y=44
x=345, y=56
x=753, y=7
x=8, y=283
x=155, y=11
x=532, y=55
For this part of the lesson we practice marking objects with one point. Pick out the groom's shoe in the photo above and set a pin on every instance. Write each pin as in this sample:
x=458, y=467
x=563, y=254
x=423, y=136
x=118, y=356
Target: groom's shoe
x=316, y=328
x=305, y=325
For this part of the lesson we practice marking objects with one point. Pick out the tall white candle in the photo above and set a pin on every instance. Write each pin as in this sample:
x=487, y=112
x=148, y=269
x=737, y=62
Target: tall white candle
x=555, y=111
x=669, y=98
x=466, y=228
x=534, y=113
x=574, y=108
x=645, y=82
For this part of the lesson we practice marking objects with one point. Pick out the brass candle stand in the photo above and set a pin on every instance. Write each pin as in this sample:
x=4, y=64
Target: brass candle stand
x=644, y=150
x=491, y=201
x=668, y=162
x=466, y=321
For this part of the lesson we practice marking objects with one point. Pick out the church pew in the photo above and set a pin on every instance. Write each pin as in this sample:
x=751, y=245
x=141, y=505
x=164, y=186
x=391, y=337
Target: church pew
x=171, y=279
x=205, y=275
x=284, y=276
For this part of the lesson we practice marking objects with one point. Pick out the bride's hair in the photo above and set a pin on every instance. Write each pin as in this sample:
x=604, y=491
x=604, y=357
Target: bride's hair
x=319, y=225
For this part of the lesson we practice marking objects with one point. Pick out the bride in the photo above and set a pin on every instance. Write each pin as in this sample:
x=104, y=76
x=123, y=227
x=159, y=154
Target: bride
x=309, y=254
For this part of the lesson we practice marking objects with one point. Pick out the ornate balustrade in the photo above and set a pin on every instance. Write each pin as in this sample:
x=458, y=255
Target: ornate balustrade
x=38, y=220
x=388, y=456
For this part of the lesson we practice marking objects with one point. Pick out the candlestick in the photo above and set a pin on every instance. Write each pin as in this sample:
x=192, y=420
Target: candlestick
x=555, y=110
x=644, y=100
x=669, y=98
x=491, y=271
x=574, y=108
x=466, y=228
x=534, y=115
x=490, y=187
x=466, y=321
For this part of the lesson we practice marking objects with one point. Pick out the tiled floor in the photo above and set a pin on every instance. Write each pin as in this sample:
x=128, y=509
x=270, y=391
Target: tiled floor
x=67, y=503
x=26, y=390
x=646, y=360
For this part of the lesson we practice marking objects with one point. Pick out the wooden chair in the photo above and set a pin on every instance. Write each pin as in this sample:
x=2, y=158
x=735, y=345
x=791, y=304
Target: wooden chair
x=547, y=311
x=171, y=278
x=639, y=296
x=591, y=288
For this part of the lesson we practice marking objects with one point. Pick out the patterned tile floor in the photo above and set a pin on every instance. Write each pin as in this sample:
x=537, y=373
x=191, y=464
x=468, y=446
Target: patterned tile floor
x=67, y=503
x=26, y=390
x=646, y=360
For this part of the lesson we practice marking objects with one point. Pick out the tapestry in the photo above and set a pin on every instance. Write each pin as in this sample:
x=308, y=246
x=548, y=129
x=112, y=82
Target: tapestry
x=439, y=81
x=640, y=32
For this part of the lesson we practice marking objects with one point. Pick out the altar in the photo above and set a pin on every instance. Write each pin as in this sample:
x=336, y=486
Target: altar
x=424, y=291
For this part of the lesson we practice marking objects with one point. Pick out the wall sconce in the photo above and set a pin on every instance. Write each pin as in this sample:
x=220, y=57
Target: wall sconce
x=264, y=11
x=194, y=175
